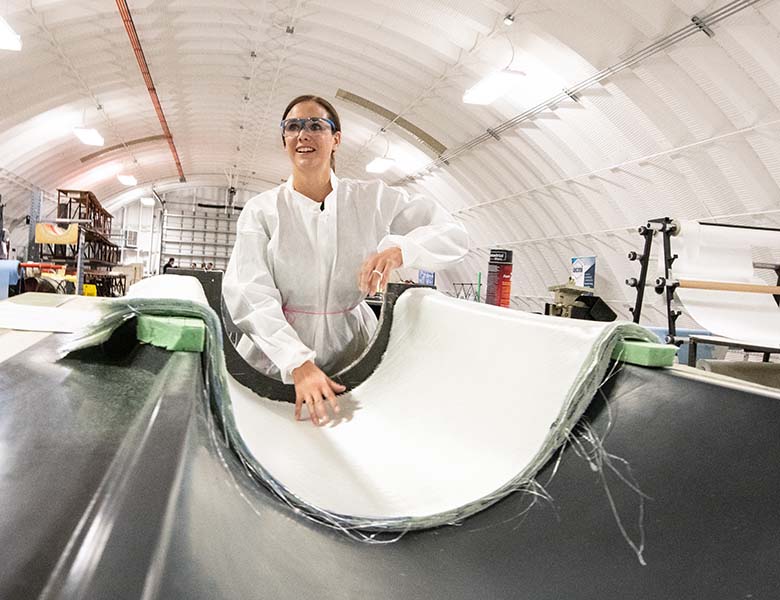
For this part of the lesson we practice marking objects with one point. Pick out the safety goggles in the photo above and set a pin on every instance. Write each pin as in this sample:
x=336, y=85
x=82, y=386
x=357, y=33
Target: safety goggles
x=312, y=125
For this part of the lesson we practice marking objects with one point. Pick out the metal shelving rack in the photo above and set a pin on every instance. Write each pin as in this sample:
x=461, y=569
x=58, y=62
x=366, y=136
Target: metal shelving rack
x=95, y=251
x=200, y=236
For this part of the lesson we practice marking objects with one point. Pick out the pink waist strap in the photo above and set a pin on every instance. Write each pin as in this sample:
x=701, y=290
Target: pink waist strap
x=295, y=311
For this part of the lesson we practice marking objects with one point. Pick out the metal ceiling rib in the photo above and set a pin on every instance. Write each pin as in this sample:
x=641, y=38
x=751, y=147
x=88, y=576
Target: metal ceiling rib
x=770, y=125
x=393, y=119
x=679, y=124
x=698, y=25
x=143, y=140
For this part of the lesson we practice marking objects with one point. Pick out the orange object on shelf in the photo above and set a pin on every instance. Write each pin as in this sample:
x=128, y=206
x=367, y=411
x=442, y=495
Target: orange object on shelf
x=38, y=265
x=44, y=267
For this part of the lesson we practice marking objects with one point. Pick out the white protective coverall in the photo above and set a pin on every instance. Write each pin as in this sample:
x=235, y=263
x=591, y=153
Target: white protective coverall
x=292, y=281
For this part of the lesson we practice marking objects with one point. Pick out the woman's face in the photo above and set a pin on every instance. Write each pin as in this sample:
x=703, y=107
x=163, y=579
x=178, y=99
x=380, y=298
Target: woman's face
x=308, y=151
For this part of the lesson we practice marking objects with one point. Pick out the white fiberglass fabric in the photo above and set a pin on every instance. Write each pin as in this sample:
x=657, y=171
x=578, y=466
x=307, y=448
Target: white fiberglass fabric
x=170, y=287
x=70, y=314
x=50, y=312
x=468, y=402
x=725, y=254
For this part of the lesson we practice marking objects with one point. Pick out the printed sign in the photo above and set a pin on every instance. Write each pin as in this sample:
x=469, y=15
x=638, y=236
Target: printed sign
x=499, y=283
x=583, y=271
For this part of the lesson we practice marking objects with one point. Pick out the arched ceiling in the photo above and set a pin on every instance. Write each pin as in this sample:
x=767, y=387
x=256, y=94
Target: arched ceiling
x=690, y=129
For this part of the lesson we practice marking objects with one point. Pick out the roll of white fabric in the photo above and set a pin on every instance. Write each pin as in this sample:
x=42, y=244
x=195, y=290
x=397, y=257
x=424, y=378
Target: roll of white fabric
x=162, y=287
x=713, y=253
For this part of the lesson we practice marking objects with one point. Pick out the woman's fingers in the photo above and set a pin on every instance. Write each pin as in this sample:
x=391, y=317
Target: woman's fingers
x=298, y=405
x=366, y=272
x=377, y=278
x=331, y=398
x=325, y=397
x=386, y=270
x=310, y=408
x=311, y=405
x=322, y=410
x=337, y=387
x=376, y=281
x=312, y=411
x=317, y=391
x=375, y=271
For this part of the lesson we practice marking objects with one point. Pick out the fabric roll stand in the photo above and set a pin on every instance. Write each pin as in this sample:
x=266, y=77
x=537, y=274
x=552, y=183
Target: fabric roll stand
x=694, y=284
x=695, y=340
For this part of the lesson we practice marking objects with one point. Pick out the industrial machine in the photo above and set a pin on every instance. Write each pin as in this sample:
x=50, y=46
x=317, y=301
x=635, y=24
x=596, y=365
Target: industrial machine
x=577, y=302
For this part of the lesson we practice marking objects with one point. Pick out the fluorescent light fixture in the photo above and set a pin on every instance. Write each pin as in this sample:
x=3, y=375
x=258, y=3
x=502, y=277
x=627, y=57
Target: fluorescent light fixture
x=540, y=83
x=90, y=137
x=492, y=87
x=147, y=200
x=9, y=39
x=127, y=179
x=379, y=165
x=94, y=176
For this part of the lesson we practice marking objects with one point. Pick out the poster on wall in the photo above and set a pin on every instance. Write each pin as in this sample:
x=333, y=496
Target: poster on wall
x=499, y=285
x=583, y=271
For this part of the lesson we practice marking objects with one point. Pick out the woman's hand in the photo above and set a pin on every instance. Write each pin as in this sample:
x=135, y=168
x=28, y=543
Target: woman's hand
x=375, y=272
x=313, y=387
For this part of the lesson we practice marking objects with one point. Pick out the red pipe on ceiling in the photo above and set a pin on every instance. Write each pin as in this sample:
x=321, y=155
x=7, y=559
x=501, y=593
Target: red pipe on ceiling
x=127, y=19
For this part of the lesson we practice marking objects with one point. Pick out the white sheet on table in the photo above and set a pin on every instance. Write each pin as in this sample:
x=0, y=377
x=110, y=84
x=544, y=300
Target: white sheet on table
x=74, y=313
x=69, y=314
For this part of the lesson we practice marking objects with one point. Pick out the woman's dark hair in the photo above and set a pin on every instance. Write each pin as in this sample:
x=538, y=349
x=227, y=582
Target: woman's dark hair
x=332, y=115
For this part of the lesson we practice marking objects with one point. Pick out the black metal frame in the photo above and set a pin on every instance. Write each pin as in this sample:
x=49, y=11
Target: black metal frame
x=350, y=377
x=667, y=227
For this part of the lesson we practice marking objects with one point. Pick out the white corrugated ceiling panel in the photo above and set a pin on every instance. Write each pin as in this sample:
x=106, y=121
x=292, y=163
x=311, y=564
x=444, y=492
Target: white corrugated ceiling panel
x=691, y=131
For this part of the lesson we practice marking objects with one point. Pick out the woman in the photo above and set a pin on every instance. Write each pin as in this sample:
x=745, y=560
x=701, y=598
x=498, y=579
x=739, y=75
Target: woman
x=307, y=252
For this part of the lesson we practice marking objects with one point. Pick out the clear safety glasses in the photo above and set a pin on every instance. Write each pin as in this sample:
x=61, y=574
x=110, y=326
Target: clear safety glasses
x=312, y=125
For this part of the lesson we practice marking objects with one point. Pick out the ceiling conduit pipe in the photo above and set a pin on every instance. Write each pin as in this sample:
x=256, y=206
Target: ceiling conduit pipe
x=132, y=34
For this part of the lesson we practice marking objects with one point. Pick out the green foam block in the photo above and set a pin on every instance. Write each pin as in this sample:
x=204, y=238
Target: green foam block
x=645, y=354
x=172, y=333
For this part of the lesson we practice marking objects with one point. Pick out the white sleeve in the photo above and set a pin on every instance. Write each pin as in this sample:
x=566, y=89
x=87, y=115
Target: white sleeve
x=429, y=237
x=255, y=304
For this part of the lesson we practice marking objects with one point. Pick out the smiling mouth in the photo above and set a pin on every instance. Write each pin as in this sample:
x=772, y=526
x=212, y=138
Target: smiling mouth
x=305, y=150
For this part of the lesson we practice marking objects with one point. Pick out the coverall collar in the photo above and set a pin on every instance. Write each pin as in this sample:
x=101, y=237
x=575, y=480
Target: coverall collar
x=334, y=183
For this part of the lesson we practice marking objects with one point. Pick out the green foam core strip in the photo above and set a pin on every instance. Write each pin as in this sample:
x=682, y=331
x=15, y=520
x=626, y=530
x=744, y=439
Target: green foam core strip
x=645, y=354
x=180, y=334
